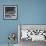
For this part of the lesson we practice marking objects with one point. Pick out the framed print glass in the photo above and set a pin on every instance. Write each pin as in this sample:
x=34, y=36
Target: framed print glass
x=10, y=12
x=32, y=32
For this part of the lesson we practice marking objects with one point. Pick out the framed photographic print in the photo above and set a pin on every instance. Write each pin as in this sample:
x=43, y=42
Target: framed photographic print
x=10, y=12
x=33, y=32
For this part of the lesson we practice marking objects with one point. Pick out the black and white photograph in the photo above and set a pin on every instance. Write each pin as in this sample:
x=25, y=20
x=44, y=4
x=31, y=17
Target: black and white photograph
x=31, y=34
x=10, y=12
